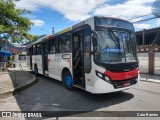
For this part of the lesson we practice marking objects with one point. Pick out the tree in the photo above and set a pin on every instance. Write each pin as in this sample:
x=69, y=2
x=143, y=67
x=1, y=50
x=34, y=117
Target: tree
x=13, y=25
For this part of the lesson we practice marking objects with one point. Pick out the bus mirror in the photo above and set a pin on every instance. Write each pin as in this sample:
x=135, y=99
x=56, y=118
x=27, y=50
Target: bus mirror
x=94, y=41
x=94, y=38
x=92, y=52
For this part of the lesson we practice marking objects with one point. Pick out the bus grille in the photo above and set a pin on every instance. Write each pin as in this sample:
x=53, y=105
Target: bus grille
x=119, y=68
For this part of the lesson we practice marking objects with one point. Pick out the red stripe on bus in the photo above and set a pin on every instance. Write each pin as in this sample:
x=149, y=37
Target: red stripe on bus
x=122, y=75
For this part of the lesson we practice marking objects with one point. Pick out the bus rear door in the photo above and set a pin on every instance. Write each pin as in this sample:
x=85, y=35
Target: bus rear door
x=45, y=57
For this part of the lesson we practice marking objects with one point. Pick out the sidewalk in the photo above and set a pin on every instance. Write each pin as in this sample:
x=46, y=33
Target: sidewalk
x=150, y=78
x=14, y=80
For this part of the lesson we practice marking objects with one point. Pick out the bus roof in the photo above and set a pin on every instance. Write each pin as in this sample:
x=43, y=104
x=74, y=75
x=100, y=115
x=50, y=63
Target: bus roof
x=112, y=18
x=72, y=27
x=41, y=39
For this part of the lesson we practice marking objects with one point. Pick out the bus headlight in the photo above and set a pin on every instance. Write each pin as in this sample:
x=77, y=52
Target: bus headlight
x=106, y=78
x=103, y=76
x=100, y=75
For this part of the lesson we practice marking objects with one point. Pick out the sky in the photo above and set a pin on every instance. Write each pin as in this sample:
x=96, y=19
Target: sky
x=61, y=14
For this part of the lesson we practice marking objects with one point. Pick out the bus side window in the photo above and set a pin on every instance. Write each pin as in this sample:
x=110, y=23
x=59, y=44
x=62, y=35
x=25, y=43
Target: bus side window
x=28, y=51
x=31, y=51
x=39, y=49
x=56, y=44
x=52, y=46
x=87, y=50
x=65, y=45
x=34, y=50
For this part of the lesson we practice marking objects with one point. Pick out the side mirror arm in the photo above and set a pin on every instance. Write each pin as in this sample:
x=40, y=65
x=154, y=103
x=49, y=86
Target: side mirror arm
x=93, y=52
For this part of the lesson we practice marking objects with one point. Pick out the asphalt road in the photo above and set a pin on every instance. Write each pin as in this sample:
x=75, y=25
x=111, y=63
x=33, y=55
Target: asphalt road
x=49, y=95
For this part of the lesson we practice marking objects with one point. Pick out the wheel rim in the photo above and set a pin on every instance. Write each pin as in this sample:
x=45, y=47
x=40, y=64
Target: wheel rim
x=69, y=80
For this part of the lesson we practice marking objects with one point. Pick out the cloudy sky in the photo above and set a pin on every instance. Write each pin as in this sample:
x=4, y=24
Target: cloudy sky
x=65, y=13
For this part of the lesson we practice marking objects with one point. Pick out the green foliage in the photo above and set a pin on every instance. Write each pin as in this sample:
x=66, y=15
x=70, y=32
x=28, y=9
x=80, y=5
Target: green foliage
x=13, y=25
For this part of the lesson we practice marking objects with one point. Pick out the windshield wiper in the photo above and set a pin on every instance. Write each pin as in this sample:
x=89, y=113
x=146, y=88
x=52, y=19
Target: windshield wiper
x=114, y=37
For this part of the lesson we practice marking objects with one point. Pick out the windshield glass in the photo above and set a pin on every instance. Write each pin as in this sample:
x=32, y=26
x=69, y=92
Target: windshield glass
x=115, y=46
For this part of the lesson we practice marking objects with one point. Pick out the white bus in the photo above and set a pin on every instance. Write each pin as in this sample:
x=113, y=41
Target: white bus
x=97, y=55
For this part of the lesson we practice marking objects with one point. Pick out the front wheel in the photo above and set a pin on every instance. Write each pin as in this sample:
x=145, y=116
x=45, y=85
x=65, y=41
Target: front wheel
x=68, y=81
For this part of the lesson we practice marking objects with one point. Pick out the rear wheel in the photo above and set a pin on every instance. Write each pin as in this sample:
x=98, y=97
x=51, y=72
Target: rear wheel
x=68, y=81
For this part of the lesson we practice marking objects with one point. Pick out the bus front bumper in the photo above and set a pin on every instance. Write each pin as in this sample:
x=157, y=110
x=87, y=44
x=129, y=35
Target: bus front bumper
x=102, y=86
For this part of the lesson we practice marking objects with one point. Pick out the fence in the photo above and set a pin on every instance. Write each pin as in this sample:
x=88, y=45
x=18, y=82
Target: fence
x=148, y=48
x=149, y=59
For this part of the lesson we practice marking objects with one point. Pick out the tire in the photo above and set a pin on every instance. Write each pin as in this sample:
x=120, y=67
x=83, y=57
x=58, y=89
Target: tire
x=68, y=81
x=35, y=70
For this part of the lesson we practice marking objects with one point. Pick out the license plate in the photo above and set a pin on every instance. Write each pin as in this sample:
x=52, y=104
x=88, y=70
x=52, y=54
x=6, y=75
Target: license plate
x=126, y=84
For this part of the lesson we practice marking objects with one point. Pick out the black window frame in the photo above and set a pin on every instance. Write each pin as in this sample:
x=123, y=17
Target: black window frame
x=35, y=49
x=87, y=49
x=60, y=45
x=39, y=49
x=50, y=44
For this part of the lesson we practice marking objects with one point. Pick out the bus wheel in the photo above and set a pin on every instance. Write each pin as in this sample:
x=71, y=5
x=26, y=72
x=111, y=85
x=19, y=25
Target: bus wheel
x=68, y=82
x=35, y=70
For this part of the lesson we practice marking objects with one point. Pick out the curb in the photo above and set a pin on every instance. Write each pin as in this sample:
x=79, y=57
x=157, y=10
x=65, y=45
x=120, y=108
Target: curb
x=7, y=93
x=17, y=90
x=149, y=81
x=24, y=87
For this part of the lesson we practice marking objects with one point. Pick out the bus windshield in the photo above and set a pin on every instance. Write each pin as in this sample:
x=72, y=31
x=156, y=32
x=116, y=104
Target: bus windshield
x=115, y=47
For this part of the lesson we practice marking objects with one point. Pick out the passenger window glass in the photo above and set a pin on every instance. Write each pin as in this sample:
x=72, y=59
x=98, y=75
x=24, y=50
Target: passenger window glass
x=87, y=50
x=65, y=45
x=34, y=50
x=52, y=46
x=38, y=49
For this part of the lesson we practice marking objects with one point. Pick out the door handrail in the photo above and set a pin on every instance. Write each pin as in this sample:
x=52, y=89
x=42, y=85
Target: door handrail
x=77, y=63
x=77, y=54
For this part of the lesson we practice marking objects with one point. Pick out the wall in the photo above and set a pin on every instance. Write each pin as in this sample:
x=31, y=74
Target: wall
x=157, y=64
x=149, y=59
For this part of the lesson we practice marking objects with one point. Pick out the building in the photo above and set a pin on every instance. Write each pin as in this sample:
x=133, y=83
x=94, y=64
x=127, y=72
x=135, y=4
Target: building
x=148, y=47
x=148, y=36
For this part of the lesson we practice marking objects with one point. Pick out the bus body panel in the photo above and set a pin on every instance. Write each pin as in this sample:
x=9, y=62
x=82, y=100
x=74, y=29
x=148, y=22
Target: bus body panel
x=37, y=60
x=96, y=85
x=104, y=87
x=28, y=61
x=57, y=63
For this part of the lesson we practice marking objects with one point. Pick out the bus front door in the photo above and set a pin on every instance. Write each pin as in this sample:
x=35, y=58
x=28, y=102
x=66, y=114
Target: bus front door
x=78, y=64
x=45, y=58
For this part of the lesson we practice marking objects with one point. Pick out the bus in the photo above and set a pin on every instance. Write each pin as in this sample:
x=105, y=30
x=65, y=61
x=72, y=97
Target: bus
x=97, y=55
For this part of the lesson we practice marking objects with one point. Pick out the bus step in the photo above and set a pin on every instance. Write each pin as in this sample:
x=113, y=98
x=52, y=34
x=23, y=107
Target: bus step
x=46, y=72
x=46, y=75
x=79, y=86
x=81, y=78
